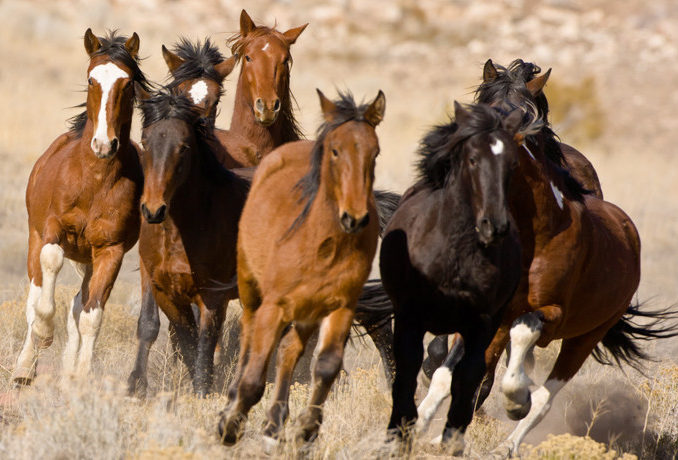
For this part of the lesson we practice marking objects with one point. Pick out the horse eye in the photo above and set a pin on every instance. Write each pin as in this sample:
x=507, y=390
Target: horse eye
x=90, y=81
x=335, y=154
x=472, y=161
x=248, y=59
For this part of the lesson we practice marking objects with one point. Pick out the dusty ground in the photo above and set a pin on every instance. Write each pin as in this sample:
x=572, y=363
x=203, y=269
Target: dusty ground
x=613, y=96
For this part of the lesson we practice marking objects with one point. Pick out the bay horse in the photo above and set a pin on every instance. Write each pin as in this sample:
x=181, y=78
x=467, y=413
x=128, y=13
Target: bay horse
x=82, y=200
x=450, y=259
x=198, y=71
x=263, y=112
x=520, y=85
x=191, y=205
x=308, y=234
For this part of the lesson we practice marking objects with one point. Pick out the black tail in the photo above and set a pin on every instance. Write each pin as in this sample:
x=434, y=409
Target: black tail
x=387, y=203
x=621, y=342
x=374, y=306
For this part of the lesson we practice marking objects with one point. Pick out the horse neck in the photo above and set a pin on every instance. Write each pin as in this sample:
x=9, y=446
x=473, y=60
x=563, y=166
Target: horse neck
x=266, y=138
x=455, y=214
x=534, y=204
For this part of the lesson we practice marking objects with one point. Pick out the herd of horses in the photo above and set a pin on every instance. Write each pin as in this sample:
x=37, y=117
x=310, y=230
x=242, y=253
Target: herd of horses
x=504, y=242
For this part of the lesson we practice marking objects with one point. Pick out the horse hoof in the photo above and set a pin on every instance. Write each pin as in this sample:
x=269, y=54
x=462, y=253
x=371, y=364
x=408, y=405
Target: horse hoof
x=270, y=444
x=231, y=428
x=519, y=412
x=21, y=382
x=137, y=387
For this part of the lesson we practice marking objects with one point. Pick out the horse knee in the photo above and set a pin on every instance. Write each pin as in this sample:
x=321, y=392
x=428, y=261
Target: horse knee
x=327, y=367
x=148, y=329
x=250, y=391
x=51, y=258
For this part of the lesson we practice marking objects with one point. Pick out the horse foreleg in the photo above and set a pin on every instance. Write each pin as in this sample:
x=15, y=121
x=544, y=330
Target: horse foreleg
x=291, y=348
x=266, y=329
x=408, y=347
x=211, y=320
x=148, y=327
x=70, y=353
x=105, y=267
x=51, y=261
x=334, y=331
x=492, y=354
x=572, y=355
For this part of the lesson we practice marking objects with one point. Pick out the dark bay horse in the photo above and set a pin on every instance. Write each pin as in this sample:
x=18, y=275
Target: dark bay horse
x=307, y=238
x=451, y=260
x=191, y=205
x=83, y=204
x=198, y=71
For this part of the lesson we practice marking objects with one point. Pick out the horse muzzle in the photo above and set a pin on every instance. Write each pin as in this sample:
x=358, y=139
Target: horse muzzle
x=154, y=216
x=351, y=224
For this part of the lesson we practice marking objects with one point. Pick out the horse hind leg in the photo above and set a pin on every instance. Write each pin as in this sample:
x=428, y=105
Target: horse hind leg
x=441, y=383
x=524, y=334
x=70, y=353
x=148, y=327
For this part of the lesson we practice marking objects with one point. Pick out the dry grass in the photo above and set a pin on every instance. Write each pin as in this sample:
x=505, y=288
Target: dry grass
x=619, y=114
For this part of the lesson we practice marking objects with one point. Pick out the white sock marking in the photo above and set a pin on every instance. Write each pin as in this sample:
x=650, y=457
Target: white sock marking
x=25, y=363
x=497, y=147
x=439, y=389
x=516, y=382
x=265, y=46
x=198, y=91
x=106, y=74
x=558, y=195
x=89, y=326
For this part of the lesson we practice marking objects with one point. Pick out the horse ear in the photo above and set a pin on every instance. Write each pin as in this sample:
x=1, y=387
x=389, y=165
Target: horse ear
x=246, y=23
x=460, y=113
x=375, y=112
x=92, y=43
x=328, y=107
x=536, y=85
x=292, y=34
x=172, y=60
x=512, y=123
x=132, y=45
x=489, y=71
x=140, y=93
x=225, y=67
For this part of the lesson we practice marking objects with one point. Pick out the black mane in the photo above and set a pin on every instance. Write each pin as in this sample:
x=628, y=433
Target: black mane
x=113, y=46
x=510, y=86
x=164, y=105
x=199, y=61
x=440, y=150
x=346, y=110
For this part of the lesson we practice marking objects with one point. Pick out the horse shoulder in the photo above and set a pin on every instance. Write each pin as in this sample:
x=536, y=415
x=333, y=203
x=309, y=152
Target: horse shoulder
x=234, y=150
x=288, y=159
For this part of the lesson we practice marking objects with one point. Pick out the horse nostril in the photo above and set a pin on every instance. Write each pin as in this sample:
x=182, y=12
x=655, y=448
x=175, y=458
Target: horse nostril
x=114, y=145
x=144, y=211
x=276, y=105
x=364, y=220
x=160, y=213
x=348, y=222
x=259, y=104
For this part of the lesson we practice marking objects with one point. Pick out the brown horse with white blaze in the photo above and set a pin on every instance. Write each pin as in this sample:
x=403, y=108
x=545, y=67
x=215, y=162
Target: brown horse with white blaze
x=83, y=204
x=307, y=237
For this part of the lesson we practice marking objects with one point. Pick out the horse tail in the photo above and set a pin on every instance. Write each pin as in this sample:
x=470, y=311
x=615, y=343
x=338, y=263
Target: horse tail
x=387, y=203
x=374, y=306
x=621, y=342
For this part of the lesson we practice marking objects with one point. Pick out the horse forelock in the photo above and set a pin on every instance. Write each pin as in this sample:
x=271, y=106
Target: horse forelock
x=199, y=61
x=346, y=110
x=112, y=47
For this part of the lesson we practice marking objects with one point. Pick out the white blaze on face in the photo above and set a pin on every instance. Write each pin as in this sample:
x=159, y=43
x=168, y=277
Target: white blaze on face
x=265, y=46
x=497, y=147
x=558, y=195
x=198, y=91
x=106, y=75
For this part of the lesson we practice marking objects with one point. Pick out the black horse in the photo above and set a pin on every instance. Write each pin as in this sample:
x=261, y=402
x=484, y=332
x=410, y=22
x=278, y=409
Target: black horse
x=450, y=259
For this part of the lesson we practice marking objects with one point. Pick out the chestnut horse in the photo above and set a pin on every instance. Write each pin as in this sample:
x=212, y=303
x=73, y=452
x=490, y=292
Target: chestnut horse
x=198, y=71
x=263, y=112
x=307, y=238
x=191, y=205
x=83, y=204
x=451, y=260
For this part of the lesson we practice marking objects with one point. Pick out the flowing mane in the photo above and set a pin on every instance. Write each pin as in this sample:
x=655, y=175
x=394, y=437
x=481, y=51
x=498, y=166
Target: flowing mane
x=509, y=85
x=113, y=46
x=165, y=105
x=290, y=128
x=346, y=110
x=198, y=59
x=440, y=150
